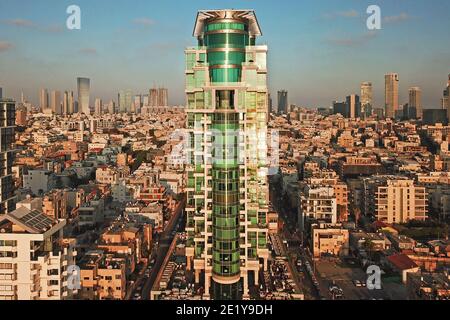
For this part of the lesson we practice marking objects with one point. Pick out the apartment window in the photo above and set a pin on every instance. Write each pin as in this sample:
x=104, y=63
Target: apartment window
x=109, y=278
x=8, y=243
x=8, y=254
x=53, y=272
x=118, y=277
x=6, y=288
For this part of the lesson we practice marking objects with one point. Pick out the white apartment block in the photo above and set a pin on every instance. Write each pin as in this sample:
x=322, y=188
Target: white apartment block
x=317, y=203
x=34, y=258
x=399, y=201
x=39, y=181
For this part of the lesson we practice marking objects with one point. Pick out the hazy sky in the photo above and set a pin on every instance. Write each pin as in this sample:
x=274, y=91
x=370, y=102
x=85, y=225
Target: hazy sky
x=319, y=51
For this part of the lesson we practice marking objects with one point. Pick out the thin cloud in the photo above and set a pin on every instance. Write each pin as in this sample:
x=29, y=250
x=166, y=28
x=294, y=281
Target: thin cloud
x=343, y=14
x=54, y=29
x=88, y=51
x=146, y=22
x=397, y=18
x=5, y=46
x=353, y=41
x=19, y=23
x=25, y=23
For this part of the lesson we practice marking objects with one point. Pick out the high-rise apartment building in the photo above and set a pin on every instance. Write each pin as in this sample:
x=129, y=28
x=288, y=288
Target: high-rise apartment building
x=158, y=97
x=227, y=188
x=163, y=97
x=68, y=103
x=1, y=92
x=391, y=95
x=282, y=101
x=137, y=104
x=7, y=127
x=366, y=99
x=153, y=97
x=55, y=102
x=145, y=100
x=353, y=106
x=83, y=95
x=415, y=103
x=125, y=99
x=98, y=106
x=399, y=201
x=341, y=108
x=111, y=107
x=43, y=99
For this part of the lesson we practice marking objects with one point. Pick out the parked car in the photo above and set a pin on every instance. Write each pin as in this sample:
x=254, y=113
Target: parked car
x=357, y=283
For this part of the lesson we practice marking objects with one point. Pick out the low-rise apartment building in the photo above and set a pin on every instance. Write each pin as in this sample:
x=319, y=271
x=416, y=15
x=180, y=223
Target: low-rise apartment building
x=330, y=239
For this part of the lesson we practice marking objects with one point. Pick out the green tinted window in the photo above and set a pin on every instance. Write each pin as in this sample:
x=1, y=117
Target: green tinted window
x=226, y=57
x=227, y=40
x=190, y=60
x=225, y=75
x=199, y=78
x=225, y=26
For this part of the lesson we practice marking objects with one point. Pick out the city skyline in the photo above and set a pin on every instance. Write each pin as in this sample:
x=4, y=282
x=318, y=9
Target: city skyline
x=128, y=40
x=112, y=191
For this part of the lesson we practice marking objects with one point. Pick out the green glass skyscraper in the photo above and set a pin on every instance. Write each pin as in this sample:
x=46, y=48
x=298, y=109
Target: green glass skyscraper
x=227, y=99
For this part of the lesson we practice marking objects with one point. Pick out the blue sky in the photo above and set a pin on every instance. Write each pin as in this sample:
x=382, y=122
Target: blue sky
x=319, y=51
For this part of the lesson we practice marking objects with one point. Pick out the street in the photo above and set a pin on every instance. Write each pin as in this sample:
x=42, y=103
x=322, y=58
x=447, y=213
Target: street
x=163, y=246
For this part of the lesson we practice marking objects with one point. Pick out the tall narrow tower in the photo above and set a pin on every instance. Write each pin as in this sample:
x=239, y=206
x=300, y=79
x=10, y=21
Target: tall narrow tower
x=84, y=87
x=366, y=99
x=415, y=103
x=227, y=188
x=391, y=95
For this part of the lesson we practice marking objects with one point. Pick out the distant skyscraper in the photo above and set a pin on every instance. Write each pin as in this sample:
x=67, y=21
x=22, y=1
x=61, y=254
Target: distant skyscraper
x=43, y=99
x=137, y=104
x=83, y=95
x=415, y=103
x=391, y=94
x=1, y=92
x=163, y=97
x=98, y=106
x=125, y=100
x=341, y=108
x=227, y=188
x=282, y=101
x=159, y=97
x=145, y=100
x=406, y=112
x=55, y=102
x=446, y=98
x=68, y=103
x=366, y=98
x=153, y=97
x=111, y=107
x=353, y=106
x=7, y=127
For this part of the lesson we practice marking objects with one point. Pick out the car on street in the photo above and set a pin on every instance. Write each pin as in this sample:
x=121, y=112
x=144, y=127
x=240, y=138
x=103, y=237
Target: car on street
x=137, y=296
x=357, y=283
